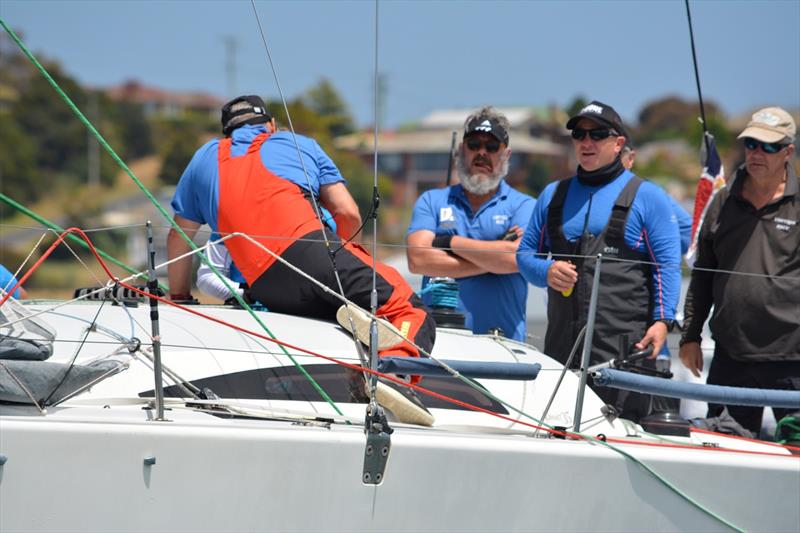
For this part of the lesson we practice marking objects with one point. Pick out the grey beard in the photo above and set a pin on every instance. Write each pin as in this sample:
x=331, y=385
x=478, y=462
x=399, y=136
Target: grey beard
x=480, y=184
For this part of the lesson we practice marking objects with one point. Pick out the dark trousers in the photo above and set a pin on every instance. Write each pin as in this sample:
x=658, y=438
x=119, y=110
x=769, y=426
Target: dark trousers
x=283, y=290
x=759, y=375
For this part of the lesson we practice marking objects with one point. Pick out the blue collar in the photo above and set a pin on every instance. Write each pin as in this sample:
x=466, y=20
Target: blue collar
x=457, y=191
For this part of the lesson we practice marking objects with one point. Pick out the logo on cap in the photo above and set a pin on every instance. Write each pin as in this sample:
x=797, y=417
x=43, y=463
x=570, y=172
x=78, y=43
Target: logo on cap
x=592, y=108
x=765, y=117
x=484, y=126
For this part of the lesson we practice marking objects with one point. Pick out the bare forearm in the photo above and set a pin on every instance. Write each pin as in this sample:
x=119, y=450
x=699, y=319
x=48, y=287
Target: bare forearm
x=179, y=272
x=435, y=262
x=347, y=224
x=497, y=257
x=337, y=199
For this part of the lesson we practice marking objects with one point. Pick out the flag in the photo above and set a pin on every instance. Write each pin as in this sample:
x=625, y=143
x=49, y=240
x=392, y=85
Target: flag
x=712, y=179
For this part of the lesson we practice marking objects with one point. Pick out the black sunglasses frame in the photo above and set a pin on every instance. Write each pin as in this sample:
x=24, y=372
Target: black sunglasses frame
x=492, y=146
x=595, y=134
x=768, y=148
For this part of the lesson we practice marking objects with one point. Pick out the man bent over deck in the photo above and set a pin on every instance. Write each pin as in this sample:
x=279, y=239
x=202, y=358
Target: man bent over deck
x=253, y=182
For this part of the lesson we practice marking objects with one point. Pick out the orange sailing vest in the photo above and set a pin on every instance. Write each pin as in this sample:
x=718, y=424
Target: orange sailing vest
x=253, y=200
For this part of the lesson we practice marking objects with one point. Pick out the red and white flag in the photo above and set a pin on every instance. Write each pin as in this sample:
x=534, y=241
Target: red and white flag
x=712, y=180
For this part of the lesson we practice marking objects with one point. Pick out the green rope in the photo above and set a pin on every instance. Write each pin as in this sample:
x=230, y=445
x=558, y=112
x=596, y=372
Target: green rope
x=788, y=430
x=74, y=238
x=161, y=210
x=475, y=385
x=655, y=474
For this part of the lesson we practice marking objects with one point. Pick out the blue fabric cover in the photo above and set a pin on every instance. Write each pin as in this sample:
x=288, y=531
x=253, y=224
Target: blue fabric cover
x=618, y=379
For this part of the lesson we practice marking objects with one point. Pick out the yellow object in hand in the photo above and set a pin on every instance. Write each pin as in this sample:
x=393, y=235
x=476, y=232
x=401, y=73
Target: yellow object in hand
x=567, y=293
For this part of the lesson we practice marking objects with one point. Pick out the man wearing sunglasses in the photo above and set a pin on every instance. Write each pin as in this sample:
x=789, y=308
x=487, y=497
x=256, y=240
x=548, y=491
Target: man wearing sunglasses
x=604, y=209
x=470, y=231
x=752, y=228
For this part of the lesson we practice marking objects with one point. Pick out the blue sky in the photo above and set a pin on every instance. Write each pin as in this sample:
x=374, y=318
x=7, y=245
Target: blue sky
x=434, y=54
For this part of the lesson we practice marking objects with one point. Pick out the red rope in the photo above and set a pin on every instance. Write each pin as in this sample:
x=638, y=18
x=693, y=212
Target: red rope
x=696, y=447
x=358, y=368
x=755, y=441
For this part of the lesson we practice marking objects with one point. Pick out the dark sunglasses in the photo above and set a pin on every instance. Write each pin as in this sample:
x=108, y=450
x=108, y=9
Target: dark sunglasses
x=767, y=148
x=597, y=134
x=491, y=146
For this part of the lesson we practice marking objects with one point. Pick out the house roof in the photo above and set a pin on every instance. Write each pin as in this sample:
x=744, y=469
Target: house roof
x=436, y=141
x=454, y=118
x=134, y=91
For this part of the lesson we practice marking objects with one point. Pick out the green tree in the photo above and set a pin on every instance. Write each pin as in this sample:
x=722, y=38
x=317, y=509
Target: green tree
x=135, y=132
x=540, y=172
x=58, y=136
x=578, y=103
x=325, y=101
x=19, y=177
x=672, y=117
x=179, y=152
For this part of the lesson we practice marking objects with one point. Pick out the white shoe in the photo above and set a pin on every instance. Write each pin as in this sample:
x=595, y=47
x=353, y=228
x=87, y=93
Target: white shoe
x=403, y=409
x=388, y=335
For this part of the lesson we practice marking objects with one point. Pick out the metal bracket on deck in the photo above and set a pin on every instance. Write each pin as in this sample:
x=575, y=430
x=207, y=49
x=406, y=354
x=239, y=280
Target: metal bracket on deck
x=379, y=443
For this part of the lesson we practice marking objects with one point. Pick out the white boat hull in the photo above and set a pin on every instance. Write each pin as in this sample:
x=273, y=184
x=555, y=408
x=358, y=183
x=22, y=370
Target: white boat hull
x=81, y=466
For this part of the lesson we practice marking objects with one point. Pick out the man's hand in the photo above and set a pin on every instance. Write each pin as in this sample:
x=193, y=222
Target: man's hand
x=655, y=335
x=562, y=276
x=692, y=357
x=514, y=233
x=424, y=258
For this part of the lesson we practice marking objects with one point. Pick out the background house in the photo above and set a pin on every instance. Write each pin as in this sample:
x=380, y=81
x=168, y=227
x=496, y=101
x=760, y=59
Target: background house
x=416, y=157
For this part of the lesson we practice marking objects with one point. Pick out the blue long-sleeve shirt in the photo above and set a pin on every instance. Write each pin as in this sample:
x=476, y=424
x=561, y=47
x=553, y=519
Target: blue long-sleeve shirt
x=651, y=228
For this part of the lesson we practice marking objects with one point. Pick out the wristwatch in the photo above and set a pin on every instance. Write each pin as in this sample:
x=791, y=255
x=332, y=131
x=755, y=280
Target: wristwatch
x=671, y=324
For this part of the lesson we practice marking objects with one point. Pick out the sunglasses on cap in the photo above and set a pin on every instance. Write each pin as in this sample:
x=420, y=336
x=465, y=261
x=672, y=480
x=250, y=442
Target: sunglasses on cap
x=596, y=134
x=768, y=148
x=492, y=145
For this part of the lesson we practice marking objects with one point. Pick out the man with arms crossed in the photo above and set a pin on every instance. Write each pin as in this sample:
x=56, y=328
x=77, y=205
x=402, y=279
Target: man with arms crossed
x=470, y=231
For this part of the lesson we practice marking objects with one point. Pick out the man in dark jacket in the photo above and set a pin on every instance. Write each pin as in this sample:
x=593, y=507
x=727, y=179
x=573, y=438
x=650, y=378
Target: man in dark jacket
x=750, y=242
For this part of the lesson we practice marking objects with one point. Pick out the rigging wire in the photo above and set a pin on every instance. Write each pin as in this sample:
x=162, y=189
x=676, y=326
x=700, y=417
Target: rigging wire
x=315, y=204
x=75, y=355
x=373, y=297
x=580, y=436
x=697, y=79
x=406, y=246
x=631, y=457
x=152, y=199
x=55, y=227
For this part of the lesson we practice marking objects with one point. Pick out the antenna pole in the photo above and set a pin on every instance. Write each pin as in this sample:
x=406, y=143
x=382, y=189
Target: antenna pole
x=450, y=161
x=697, y=78
x=152, y=288
x=376, y=425
x=587, y=344
x=373, y=327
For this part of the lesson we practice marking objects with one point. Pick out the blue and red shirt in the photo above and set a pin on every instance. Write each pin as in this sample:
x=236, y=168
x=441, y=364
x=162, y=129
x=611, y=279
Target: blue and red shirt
x=197, y=195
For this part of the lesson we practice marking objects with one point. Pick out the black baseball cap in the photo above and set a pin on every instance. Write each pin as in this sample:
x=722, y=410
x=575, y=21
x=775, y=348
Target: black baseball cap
x=247, y=109
x=601, y=113
x=485, y=124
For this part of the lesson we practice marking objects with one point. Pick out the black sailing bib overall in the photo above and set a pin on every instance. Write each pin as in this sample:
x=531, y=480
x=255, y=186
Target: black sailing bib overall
x=624, y=303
